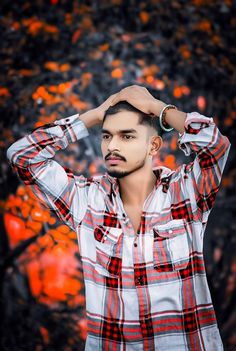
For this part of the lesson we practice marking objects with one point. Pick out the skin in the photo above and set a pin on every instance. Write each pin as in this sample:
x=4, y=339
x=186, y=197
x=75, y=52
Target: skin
x=135, y=176
x=136, y=144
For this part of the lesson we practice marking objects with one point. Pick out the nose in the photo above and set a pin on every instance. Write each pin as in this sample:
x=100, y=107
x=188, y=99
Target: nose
x=113, y=145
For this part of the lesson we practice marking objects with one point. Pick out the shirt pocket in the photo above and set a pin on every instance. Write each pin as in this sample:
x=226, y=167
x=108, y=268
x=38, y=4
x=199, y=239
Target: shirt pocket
x=108, y=241
x=171, y=246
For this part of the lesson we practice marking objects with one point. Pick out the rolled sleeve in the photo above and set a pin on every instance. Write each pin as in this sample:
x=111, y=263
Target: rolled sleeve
x=202, y=177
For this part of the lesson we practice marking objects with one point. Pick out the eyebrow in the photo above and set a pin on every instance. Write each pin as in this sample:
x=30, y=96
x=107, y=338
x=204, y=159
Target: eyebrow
x=121, y=131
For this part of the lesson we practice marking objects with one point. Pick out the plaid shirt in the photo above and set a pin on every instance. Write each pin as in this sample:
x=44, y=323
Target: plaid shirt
x=146, y=290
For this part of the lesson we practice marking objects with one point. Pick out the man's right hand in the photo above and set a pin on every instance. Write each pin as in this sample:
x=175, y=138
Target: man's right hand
x=100, y=110
x=96, y=115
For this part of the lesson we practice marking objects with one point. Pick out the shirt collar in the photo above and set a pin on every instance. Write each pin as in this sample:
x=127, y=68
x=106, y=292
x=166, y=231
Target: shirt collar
x=160, y=172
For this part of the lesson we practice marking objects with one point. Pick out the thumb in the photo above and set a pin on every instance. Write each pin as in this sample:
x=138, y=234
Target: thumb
x=113, y=102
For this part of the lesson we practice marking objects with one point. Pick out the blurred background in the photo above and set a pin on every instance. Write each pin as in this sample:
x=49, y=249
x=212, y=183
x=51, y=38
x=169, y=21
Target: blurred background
x=60, y=57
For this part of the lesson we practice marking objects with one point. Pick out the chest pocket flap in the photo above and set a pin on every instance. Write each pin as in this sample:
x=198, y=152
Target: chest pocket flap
x=108, y=242
x=171, y=245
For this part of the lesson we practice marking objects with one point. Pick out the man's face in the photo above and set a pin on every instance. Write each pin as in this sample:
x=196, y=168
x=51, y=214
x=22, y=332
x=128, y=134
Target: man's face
x=125, y=143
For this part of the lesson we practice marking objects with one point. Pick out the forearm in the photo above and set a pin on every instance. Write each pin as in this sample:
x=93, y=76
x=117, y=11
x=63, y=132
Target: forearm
x=53, y=184
x=174, y=118
x=201, y=177
x=202, y=136
x=90, y=118
x=51, y=138
x=45, y=141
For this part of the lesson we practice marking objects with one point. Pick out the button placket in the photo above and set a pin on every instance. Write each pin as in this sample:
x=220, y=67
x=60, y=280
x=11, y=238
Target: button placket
x=146, y=319
x=139, y=281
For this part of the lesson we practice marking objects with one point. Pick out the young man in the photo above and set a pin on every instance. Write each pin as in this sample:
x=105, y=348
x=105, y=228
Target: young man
x=140, y=231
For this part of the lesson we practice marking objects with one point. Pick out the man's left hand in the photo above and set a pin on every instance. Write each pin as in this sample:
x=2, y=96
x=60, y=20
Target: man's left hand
x=140, y=98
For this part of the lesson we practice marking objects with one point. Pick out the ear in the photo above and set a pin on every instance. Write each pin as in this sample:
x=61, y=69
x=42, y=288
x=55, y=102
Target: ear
x=156, y=144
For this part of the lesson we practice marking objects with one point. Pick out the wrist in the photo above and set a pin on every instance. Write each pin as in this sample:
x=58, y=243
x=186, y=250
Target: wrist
x=90, y=118
x=99, y=114
x=164, y=125
x=157, y=106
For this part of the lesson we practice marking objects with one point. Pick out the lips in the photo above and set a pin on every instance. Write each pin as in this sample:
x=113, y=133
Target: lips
x=114, y=158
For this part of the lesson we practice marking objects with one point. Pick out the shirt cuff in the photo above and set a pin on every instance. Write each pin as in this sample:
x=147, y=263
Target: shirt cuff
x=78, y=126
x=195, y=117
x=67, y=120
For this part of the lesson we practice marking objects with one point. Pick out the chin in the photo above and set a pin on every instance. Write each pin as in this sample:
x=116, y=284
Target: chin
x=116, y=173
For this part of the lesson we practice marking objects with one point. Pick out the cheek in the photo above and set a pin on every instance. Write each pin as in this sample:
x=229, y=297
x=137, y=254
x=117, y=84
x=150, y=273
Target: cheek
x=141, y=145
x=136, y=150
x=103, y=148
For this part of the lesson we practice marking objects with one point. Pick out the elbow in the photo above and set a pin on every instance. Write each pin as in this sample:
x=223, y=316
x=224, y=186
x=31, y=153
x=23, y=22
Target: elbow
x=10, y=153
x=227, y=144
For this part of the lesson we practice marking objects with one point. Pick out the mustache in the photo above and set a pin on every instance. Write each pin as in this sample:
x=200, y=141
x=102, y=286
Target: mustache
x=114, y=155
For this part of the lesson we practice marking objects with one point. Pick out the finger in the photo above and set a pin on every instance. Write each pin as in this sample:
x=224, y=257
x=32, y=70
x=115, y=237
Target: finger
x=116, y=99
x=112, y=96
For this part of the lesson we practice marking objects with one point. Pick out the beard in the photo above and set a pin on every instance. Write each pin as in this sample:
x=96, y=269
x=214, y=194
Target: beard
x=121, y=174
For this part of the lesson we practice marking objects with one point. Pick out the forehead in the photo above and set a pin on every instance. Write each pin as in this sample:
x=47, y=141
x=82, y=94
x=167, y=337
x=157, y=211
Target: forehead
x=122, y=120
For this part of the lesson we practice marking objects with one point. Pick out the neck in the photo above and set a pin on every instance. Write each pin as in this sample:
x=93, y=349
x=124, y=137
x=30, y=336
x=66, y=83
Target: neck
x=136, y=187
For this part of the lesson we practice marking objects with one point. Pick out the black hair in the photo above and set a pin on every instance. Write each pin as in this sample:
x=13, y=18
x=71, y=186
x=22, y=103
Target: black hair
x=144, y=118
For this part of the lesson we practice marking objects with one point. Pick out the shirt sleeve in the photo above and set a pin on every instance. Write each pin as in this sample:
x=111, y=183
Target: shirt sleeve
x=202, y=177
x=56, y=186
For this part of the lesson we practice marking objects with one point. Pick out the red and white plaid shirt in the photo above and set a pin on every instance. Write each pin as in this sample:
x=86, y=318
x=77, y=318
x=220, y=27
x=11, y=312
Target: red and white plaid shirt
x=146, y=290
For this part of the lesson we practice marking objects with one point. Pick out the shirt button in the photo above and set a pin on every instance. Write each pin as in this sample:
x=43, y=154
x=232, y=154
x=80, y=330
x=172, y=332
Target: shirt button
x=123, y=214
x=170, y=231
x=139, y=281
x=67, y=120
x=135, y=244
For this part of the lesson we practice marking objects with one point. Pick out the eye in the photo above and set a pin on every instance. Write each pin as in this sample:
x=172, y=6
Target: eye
x=105, y=136
x=128, y=137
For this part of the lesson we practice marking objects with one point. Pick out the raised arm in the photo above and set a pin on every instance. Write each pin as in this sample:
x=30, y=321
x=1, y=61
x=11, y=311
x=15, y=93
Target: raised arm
x=198, y=134
x=201, y=178
x=56, y=186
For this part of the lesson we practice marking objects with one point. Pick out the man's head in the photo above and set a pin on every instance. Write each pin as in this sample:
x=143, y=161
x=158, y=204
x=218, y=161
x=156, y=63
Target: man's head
x=130, y=135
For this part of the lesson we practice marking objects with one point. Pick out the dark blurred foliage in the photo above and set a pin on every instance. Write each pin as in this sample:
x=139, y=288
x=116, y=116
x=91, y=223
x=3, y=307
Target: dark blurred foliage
x=63, y=57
